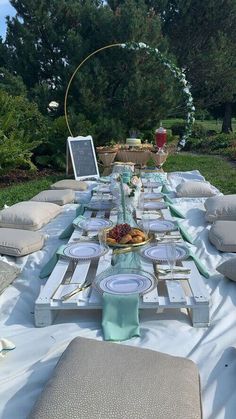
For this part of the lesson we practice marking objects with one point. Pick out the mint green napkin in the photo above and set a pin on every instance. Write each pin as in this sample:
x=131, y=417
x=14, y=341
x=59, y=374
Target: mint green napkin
x=201, y=267
x=165, y=189
x=120, y=320
x=66, y=233
x=175, y=211
x=168, y=199
x=48, y=268
x=185, y=233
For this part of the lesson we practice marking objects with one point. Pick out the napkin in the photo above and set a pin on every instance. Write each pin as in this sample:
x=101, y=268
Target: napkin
x=185, y=233
x=165, y=189
x=120, y=319
x=48, y=268
x=175, y=211
x=66, y=233
x=201, y=267
x=168, y=199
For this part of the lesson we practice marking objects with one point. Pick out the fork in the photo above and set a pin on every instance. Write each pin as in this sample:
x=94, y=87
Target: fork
x=76, y=291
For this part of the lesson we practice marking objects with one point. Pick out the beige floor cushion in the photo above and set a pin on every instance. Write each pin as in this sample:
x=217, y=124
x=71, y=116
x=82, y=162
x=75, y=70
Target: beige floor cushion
x=7, y=274
x=228, y=269
x=58, y=196
x=28, y=215
x=95, y=379
x=75, y=185
x=19, y=242
x=223, y=235
x=221, y=208
x=193, y=189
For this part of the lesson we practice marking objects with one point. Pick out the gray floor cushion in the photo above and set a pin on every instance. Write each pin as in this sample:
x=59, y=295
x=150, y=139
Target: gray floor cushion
x=7, y=274
x=221, y=208
x=76, y=185
x=223, y=235
x=57, y=196
x=228, y=269
x=28, y=215
x=95, y=379
x=16, y=242
x=195, y=189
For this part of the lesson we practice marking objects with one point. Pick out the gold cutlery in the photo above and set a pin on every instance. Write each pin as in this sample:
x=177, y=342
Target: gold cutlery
x=76, y=291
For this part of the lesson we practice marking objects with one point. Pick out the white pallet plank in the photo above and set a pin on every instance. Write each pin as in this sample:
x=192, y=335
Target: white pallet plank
x=196, y=283
x=53, y=281
x=175, y=291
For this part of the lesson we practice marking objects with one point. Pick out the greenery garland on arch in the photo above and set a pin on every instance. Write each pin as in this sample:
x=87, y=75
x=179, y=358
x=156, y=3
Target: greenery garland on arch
x=176, y=71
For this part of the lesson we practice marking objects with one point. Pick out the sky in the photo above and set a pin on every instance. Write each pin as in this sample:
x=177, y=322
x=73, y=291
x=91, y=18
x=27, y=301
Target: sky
x=5, y=9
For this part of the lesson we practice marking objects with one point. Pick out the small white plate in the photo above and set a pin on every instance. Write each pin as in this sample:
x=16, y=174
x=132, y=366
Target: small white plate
x=154, y=205
x=159, y=226
x=150, y=196
x=94, y=224
x=125, y=283
x=159, y=253
x=84, y=251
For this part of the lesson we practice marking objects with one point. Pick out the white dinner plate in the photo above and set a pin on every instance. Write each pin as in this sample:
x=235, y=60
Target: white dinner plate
x=152, y=184
x=159, y=252
x=84, y=251
x=125, y=283
x=93, y=224
x=149, y=196
x=159, y=226
x=98, y=205
x=154, y=205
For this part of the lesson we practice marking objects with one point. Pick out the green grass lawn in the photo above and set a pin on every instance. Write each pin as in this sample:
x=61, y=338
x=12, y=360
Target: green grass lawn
x=217, y=171
x=208, y=125
x=25, y=191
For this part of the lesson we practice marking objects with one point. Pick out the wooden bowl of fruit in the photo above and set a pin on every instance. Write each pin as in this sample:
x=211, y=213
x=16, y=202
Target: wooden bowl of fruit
x=123, y=235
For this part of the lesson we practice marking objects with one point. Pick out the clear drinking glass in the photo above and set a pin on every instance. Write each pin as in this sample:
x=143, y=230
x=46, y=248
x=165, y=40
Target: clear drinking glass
x=141, y=205
x=171, y=256
x=146, y=224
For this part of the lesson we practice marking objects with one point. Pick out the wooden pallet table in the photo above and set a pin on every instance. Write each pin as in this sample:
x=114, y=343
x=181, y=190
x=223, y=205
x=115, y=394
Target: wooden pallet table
x=190, y=294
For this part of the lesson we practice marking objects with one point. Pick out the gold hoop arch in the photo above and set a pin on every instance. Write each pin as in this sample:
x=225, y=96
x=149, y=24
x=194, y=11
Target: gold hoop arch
x=73, y=75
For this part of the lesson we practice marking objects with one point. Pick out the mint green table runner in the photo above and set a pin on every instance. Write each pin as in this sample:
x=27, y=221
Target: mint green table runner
x=50, y=265
x=120, y=316
x=68, y=231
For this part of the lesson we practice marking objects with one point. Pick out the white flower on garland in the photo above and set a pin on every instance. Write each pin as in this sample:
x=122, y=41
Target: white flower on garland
x=180, y=76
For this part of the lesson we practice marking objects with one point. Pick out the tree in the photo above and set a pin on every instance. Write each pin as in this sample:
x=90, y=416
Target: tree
x=117, y=90
x=203, y=36
x=11, y=83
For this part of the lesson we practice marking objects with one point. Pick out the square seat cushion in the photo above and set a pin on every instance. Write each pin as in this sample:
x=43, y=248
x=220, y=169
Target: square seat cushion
x=228, y=269
x=19, y=242
x=58, y=196
x=28, y=215
x=223, y=235
x=7, y=274
x=194, y=189
x=95, y=379
x=221, y=207
x=75, y=185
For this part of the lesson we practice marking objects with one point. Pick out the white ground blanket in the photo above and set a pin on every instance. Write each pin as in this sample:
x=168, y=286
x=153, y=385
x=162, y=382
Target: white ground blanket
x=25, y=370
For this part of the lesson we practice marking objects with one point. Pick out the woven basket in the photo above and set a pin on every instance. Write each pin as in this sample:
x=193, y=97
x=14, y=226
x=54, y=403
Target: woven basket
x=137, y=157
x=107, y=158
x=159, y=158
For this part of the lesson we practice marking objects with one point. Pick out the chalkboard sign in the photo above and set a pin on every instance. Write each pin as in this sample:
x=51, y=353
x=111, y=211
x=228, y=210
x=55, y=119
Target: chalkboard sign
x=83, y=157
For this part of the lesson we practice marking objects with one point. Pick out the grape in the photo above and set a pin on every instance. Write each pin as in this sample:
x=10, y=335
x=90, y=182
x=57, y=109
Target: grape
x=119, y=231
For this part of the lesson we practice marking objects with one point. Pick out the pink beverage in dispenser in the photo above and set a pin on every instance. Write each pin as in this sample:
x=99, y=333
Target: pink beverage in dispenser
x=160, y=136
